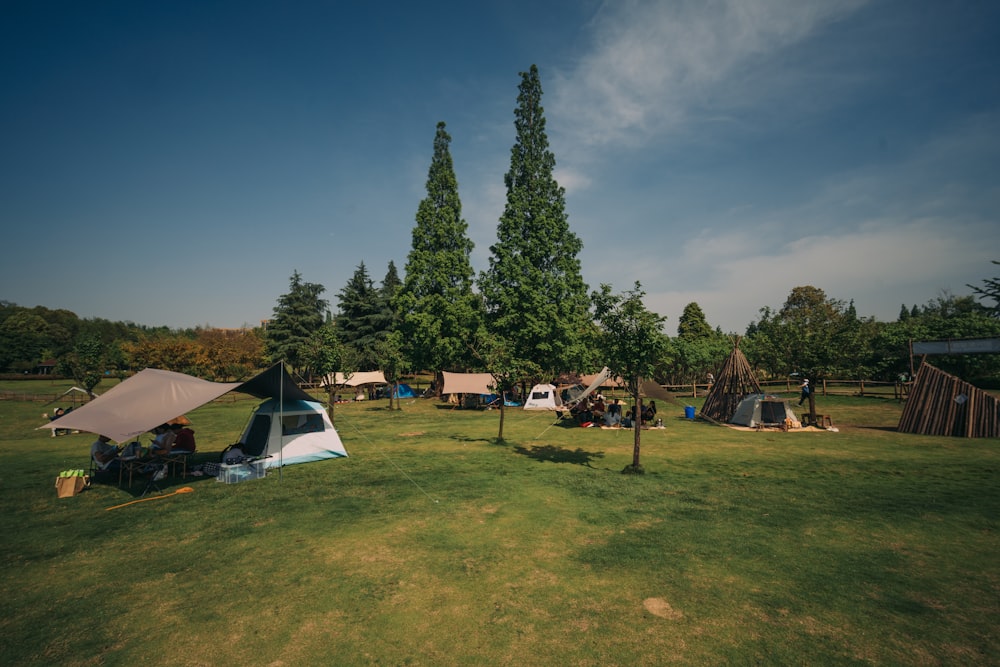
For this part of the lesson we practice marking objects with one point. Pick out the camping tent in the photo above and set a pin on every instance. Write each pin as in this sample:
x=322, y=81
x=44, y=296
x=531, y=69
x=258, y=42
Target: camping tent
x=295, y=431
x=404, y=391
x=544, y=397
x=762, y=410
x=548, y=397
x=152, y=397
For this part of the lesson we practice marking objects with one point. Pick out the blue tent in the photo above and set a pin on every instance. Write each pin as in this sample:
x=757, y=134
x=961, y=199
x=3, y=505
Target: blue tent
x=403, y=391
x=494, y=399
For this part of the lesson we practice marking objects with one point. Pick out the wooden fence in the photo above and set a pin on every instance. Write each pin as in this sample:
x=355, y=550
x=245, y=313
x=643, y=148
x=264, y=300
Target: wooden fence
x=870, y=388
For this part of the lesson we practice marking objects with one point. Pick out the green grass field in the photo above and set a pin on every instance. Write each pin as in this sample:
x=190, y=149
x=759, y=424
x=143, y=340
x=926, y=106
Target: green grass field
x=435, y=545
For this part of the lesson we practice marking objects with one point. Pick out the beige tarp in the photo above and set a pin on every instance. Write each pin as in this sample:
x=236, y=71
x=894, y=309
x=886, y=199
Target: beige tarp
x=142, y=402
x=357, y=379
x=467, y=383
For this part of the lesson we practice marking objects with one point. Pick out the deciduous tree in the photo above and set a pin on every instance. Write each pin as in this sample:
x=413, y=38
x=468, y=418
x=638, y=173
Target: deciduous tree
x=990, y=290
x=632, y=341
x=324, y=355
x=86, y=363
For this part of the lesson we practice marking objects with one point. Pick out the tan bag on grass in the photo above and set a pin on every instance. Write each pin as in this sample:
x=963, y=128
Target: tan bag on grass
x=67, y=487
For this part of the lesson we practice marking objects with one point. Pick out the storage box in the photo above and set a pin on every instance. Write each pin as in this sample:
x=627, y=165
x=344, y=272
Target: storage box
x=241, y=472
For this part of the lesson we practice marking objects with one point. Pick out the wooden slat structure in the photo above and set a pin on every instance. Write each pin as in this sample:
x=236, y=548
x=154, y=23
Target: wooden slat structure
x=942, y=404
x=736, y=381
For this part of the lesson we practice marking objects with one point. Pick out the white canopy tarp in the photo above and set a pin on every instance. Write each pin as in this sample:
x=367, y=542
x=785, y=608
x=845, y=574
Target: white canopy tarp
x=142, y=402
x=605, y=380
x=467, y=383
x=356, y=379
x=595, y=384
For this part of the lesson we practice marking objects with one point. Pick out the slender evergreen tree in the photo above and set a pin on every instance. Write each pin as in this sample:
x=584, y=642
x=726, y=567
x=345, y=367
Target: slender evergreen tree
x=439, y=311
x=533, y=290
x=387, y=319
x=692, y=324
x=298, y=314
x=358, y=322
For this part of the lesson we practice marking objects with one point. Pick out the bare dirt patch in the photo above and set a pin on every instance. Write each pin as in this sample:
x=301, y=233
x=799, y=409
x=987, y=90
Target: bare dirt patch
x=660, y=607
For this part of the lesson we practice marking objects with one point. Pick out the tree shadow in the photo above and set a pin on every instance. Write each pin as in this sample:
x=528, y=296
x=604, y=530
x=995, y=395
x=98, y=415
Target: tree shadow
x=465, y=438
x=554, y=454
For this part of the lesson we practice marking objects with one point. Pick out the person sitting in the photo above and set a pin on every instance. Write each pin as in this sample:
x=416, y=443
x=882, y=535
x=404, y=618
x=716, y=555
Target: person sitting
x=582, y=413
x=599, y=408
x=104, y=454
x=649, y=413
x=613, y=415
x=628, y=421
x=183, y=440
x=163, y=442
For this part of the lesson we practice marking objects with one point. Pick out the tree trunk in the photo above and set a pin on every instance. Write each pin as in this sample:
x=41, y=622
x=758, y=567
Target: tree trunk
x=503, y=412
x=637, y=426
x=330, y=401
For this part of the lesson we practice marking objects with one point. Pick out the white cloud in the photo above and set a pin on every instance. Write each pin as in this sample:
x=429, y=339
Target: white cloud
x=653, y=62
x=882, y=234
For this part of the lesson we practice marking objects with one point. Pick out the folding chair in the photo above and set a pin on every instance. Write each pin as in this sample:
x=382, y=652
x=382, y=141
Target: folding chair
x=154, y=472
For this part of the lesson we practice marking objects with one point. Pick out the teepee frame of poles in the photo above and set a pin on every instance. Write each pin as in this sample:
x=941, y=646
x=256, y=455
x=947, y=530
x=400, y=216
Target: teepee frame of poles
x=734, y=382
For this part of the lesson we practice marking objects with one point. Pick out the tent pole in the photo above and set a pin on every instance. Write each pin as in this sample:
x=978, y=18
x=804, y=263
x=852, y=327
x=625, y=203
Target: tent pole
x=281, y=419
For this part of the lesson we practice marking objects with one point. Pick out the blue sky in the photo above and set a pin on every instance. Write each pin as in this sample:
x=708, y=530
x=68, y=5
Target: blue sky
x=172, y=163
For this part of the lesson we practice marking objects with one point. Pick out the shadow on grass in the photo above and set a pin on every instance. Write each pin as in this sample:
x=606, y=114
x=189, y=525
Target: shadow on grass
x=554, y=454
x=464, y=438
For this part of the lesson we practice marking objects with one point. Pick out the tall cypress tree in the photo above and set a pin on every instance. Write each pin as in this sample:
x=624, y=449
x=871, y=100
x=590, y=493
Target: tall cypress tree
x=388, y=317
x=533, y=290
x=439, y=311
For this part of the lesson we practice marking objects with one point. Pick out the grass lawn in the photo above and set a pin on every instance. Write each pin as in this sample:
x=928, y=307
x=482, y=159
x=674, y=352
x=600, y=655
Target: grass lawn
x=435, y=545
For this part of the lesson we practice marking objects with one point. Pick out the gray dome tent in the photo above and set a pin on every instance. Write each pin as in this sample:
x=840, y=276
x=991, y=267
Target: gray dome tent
x=762, y=410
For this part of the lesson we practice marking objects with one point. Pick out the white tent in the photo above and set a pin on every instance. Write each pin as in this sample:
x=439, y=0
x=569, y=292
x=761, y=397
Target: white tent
x=291, y=432
x=543, y=397
x=763, y=410
x=549, y=398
